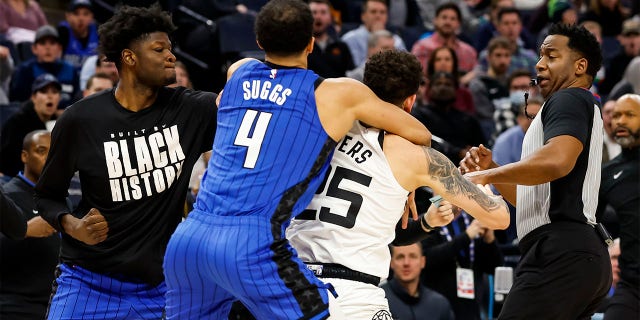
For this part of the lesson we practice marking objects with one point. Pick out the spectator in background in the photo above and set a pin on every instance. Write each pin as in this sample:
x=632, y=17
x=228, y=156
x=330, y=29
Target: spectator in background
x=510, y=26
x=609, y=14
x=182, y=76
x=630, y=42
x=447, y=24
x=620, y=187
x=98, y=82
x=463, y=244
x=6, y=68
x=98, y=64
x=379, y=40
x=508, y=146
x=428, y=12
x=444, y=59
x=27, y=268
x=489, y=29
x=518, y=85
x=489, y=90
x=330, y=58
x=19, y=19
x=459, y=130
x=610, y=148
x=408, y=298
x=47, y=51
x=78, y=33
x=374, y=17
x=33, y=115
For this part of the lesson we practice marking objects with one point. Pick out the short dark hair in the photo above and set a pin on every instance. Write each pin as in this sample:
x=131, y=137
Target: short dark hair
x=128, y=25
x=432, y=61
x=419, y=243
x=449, y=6
x=582, y=42
x=517, y=74
x=99, y=75
x=499, y=42
x=284, y=27
x=508, y=10
x=393, y=75
x=365, y=2
x=27, y=142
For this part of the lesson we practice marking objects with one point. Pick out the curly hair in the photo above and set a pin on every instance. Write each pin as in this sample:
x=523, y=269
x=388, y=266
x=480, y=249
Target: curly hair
x=393, y=75
x=128, y=25
x=284, y=27
x=583, y=42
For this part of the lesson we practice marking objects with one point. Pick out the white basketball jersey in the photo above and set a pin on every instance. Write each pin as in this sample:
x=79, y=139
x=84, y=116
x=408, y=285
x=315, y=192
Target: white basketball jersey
x=353, y=215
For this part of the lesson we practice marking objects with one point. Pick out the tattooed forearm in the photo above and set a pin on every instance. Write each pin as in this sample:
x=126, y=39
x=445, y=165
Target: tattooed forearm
x=441, y=169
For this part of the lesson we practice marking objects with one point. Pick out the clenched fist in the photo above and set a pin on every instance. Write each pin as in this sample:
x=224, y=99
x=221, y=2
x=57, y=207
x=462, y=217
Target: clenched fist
x=91, y=229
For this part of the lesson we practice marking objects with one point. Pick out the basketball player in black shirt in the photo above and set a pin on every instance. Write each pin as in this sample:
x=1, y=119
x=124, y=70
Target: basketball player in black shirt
x=134, y=147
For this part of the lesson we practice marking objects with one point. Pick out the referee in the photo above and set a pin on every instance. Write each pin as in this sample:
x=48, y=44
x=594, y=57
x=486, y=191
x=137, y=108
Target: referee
x=556, y=186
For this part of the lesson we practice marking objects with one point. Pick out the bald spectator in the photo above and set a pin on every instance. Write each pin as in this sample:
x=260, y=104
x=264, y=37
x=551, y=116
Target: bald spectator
x=374, y=17
x=28, y=266
x=620, y=188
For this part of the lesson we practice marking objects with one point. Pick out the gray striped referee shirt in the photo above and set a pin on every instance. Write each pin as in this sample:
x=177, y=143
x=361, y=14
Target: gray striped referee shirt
x=574, y=197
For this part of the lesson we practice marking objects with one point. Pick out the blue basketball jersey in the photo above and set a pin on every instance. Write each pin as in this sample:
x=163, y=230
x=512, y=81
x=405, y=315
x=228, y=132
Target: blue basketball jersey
x=270, y=151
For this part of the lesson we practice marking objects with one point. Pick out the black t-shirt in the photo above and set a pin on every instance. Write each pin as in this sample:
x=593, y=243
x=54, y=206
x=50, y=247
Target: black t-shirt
x=620, y=188
x=134, y=168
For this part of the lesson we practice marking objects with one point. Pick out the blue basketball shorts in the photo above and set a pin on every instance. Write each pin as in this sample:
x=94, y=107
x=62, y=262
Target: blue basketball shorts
x=212, y=261
x=81, y=294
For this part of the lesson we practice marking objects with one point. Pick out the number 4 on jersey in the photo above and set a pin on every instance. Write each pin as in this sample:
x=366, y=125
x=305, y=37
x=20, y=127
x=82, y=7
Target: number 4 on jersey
x=252, y=140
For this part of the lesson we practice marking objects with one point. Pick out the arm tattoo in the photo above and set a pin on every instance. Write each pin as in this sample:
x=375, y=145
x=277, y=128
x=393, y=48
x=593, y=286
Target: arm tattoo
x=441, y=169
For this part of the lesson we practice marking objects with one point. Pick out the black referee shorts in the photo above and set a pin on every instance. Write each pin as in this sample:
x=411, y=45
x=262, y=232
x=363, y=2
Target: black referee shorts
x=564, y=273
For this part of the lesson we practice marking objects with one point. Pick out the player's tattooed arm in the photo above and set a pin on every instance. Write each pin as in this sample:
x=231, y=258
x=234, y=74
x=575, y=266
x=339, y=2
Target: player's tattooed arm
x=442, y=170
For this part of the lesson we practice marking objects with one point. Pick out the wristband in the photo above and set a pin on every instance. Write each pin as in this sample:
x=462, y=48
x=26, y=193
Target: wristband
x=425, y=226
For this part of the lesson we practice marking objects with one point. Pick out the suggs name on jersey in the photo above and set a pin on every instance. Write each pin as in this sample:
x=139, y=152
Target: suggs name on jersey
x=258, y=89
x=354, y=149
